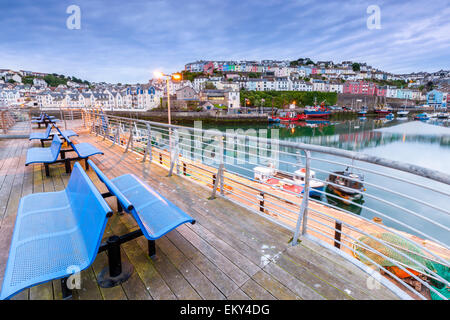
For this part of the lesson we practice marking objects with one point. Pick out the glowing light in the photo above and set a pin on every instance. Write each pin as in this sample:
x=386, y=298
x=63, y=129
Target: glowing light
x=176, y=76
x=158, y=74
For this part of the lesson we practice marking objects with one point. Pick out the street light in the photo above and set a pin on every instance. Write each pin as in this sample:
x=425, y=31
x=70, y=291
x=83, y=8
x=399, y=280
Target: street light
x=174, y=77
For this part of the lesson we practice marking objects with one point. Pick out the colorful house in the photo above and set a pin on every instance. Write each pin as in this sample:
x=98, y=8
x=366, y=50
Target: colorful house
x=437, y=99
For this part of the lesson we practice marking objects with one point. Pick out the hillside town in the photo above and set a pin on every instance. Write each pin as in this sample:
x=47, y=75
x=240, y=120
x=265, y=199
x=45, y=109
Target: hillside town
x=206, y=85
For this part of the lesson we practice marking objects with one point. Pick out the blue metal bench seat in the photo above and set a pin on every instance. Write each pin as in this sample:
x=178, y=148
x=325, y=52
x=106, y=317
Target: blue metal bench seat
x=154, y=214
x=44, y=119
x=46, y=136
x=56, y=238
x=44, y=155
x=50, y=155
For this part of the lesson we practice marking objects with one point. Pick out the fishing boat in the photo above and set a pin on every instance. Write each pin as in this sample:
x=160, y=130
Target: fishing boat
x=422, y=116
x=291, y=182
x=346, y=185
x=384, y=110
x=289, y=116
x=363, y=112
x=402, y=113
x=317, y=111
x=442, y=115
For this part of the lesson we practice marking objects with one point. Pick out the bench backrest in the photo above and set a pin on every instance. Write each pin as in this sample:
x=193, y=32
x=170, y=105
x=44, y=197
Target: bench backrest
x=126, y=204
x=55, y=147
x=49, y=129
x=89, y=207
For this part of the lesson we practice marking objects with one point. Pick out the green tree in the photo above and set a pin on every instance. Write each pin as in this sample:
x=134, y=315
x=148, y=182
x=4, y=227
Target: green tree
x=356, y=66
x=209, y=85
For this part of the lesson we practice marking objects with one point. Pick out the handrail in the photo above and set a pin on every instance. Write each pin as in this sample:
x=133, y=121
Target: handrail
x=290, y=209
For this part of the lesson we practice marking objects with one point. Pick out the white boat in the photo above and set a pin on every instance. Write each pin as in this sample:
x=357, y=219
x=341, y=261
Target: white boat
x=442, y=115
x=288, y=181
x=402, y=113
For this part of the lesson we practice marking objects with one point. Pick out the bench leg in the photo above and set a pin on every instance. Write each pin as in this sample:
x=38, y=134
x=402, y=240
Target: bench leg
x=86, y=164
x=151, y=248
x=119, y=207
x=42, y=143
x=66, y=292
x=116, y=273
x=67, y=165
x=47, y=170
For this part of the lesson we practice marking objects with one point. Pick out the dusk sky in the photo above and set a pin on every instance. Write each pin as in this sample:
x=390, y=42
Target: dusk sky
x=125, y=41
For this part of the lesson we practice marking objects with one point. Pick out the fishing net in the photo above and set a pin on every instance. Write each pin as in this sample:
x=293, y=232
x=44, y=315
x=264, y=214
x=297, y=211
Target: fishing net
x=372, y=248
x=444, y=272
x=407, y=248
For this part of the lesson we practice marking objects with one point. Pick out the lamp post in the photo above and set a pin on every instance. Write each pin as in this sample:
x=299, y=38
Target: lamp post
x=175, y=77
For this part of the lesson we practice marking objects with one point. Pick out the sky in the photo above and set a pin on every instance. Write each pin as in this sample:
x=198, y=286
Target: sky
x=125, y=41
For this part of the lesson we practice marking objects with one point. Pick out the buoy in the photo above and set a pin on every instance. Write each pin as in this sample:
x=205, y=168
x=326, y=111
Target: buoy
x=377, y=220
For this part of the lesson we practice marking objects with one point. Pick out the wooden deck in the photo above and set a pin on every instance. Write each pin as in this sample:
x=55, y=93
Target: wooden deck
x=230, y=253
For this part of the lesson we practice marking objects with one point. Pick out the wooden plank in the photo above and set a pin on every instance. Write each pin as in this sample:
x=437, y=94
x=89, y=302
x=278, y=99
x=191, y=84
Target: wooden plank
x=171, y=275
x=233, y=255
x=311, y=280
x=344, y=269
x=238, y=295
x=205, y=288
x=220, y=279
x=89, y=288
x=233, y=271
x=295, y=285
x=114, y=293
x=255, y=291
x=274, y=287
x=144, y=266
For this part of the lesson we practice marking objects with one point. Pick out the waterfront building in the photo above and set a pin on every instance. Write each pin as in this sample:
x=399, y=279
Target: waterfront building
x=437, y=99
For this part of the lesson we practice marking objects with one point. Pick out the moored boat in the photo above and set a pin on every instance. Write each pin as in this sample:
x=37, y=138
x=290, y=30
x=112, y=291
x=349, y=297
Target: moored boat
x=346, y=185
x=293, y=183
x=287, y=116
x=422, y=116
x=384, y=110
x=442, y=115
x=317, y=111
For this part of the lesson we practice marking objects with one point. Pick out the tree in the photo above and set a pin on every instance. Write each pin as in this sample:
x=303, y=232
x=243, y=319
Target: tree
x=356, y=66
x=210, y=85
x=11, y=81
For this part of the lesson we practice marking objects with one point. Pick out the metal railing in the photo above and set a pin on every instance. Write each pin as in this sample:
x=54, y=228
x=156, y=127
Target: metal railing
x=6, y=120
x=405, y=241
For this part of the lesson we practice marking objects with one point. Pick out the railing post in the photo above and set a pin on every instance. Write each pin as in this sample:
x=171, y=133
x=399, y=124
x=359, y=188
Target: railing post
x=130, y=138
x=148, y=150
x=106, y=131
x=337, y=234
x=303, y=214
x=261, y=201
x=116, y=135
x=216, y=178
x=174, y=152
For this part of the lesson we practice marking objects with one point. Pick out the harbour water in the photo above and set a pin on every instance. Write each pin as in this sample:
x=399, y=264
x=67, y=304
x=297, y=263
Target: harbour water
x=414, y=142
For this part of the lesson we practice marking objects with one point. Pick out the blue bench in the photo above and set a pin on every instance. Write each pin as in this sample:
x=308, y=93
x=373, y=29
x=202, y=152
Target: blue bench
x=44, y=119
x=46, y=136
x=154, y=214
x=63, y=234
x=50, y=155
x=56, y=238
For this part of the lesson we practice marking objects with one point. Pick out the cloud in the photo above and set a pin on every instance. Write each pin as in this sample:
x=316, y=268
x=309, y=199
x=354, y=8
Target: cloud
x=124, y=41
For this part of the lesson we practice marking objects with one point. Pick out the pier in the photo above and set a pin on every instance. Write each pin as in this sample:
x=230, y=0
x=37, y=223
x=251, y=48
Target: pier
x=241, y=246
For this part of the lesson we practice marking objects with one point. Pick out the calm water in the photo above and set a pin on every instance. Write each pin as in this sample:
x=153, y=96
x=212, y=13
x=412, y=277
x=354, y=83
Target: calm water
x=427, y=146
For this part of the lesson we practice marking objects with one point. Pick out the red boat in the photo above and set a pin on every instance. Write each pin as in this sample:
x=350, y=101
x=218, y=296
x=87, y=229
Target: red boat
x=317, y=111
x=290, y=116
x=383, y=111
